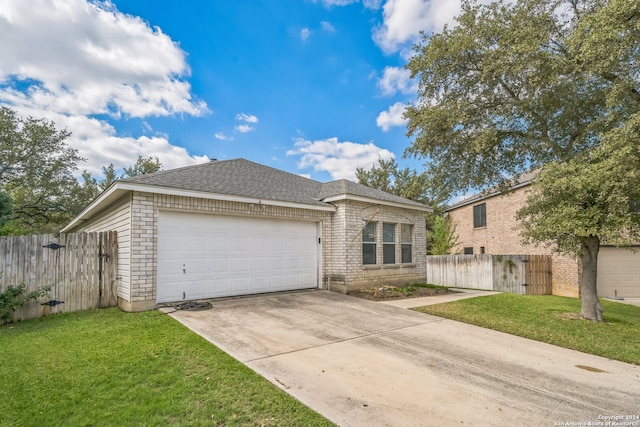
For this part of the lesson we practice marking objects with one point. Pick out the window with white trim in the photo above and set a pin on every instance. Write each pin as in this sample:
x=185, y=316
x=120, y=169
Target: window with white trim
x=388, y=243
x=369, y=243
x=406, y=239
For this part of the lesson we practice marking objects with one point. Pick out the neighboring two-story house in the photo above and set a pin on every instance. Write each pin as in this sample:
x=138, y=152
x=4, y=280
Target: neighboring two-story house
x=486, y=223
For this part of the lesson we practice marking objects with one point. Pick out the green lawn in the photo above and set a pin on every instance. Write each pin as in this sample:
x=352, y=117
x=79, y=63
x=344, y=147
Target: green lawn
x=106, y=367
x=553, y=320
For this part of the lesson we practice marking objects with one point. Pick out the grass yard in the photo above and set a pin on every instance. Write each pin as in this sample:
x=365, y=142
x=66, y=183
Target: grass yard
x=553, y=320
x=106, y=367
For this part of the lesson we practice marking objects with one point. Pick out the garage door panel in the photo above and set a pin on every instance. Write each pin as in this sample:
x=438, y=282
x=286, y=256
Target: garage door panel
x=227, y=256
x=618, y=273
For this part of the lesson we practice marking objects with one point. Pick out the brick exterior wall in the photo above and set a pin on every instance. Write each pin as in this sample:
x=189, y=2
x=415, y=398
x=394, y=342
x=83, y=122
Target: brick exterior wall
x=344, y=270
x=342, y=267
x=501, y=237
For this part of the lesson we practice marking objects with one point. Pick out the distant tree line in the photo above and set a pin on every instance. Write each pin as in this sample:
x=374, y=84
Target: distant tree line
x=39, y=188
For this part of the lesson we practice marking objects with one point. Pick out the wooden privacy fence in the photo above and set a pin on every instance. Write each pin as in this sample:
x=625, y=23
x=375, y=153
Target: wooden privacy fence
x=82, y=267
x=520, y=274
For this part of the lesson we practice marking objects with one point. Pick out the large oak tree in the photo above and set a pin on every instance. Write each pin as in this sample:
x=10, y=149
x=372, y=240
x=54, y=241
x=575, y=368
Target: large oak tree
x=36, y=172
x=550, y=84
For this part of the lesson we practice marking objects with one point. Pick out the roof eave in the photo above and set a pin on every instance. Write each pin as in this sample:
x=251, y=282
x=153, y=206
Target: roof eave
x=120, y=188
x=110, y=195
x=225, y=197
x=473, y=199
x=341, y=197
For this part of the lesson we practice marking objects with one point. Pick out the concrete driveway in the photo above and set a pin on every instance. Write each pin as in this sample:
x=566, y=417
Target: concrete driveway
x=361, y=363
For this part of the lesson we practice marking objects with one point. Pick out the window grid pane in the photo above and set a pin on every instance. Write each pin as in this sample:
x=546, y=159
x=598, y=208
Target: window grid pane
x=368, y=253
x=389, y=253
x=480, y=215
x=369, y=239
x=388, y=233
x=388, y=243
x=406, y=254
x=369, y=232
x=406, y=232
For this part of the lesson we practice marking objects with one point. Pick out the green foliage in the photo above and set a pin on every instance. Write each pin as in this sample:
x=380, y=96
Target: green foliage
x=593, y=194
x=553, y=320
x=442, y=238
x=551, y=84
x=143, y=166
x=6, y=208
x=174, y=376
x=412, y=288
x=407, y=183
x=14, y=297
x=516, y=85
x=36, y=171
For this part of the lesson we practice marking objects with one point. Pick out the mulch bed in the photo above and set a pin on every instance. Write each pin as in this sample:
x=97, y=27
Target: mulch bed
x=391, y=292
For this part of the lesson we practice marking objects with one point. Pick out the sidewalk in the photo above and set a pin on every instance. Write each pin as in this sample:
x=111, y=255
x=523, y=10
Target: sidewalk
x=438, y=299
x=469, y=293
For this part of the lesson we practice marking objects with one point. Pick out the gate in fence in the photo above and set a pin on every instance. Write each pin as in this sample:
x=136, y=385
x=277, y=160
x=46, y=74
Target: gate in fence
x=81, y=267
x=520, y=274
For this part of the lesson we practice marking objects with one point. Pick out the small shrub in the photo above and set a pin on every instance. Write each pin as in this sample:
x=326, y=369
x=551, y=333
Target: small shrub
x=17, y=296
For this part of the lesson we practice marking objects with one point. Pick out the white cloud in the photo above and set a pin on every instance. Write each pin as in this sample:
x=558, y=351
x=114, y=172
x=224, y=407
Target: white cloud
x=305, y=33
x=221, y=136
x=244, y=128
x=326, y=26
x=404, y=19
x=372, y=4
x=83, y=58
x=396, y=79
x=340, y=159
x=71, y=60
x=246, y=118
x=329, y=3
x=97, y=141
x=249, y=118
x=392, y=117
x=369, y=4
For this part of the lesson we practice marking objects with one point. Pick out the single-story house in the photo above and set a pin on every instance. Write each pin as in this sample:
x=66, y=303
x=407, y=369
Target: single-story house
x=486, y=223
x=235, y=227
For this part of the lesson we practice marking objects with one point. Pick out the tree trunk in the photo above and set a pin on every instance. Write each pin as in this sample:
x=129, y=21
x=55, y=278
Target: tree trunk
x=591, y=308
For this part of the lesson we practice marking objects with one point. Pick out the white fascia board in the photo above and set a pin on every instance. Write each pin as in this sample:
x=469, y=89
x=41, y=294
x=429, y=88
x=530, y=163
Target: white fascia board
x=217, y=196
x=376, y=201
x=119, y=188
x=111, y=193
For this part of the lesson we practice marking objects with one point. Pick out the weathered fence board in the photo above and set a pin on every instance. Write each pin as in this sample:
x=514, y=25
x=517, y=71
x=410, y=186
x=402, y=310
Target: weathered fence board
x=461, y=271
x=82, y=270
x=520, y=274
x=539, y=275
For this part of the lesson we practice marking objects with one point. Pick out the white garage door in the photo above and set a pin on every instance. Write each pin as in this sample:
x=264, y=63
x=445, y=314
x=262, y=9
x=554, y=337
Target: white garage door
x=208, y=256
x=618, y=270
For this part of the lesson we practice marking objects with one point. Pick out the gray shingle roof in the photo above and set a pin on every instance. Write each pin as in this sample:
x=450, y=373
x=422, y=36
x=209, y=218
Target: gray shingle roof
x=237, y=177
x=345, y=186
x=241, y=177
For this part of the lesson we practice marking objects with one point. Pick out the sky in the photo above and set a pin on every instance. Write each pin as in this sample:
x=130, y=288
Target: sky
x=312, y=87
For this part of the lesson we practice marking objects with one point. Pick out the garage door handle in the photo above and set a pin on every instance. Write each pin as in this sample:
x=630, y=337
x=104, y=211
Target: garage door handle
x=184, y=270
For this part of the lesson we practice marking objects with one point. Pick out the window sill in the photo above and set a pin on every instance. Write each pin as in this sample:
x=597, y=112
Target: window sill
x=385, y=266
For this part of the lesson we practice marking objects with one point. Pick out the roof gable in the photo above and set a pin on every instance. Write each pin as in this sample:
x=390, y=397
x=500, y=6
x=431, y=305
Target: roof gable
x=237, y=177
x=243, y=181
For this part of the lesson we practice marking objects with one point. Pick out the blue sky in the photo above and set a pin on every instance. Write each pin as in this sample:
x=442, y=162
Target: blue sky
x=316, y=88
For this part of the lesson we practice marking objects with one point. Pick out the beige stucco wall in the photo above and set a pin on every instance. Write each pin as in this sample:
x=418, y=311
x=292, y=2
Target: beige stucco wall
x=501, y=237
